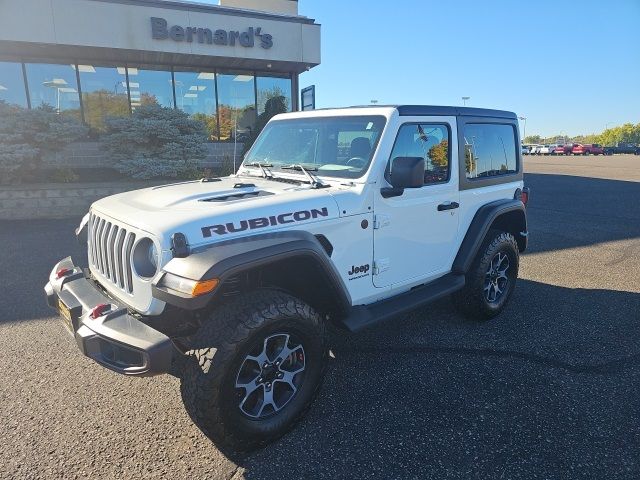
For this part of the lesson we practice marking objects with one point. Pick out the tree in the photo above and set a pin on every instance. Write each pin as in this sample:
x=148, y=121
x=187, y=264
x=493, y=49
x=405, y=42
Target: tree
x=469, y=159
x=533, y=139
x=439, y=154
x=26, y=134
x=156, y=142
x=210, y=123
x=628, y=133
x=101, y=104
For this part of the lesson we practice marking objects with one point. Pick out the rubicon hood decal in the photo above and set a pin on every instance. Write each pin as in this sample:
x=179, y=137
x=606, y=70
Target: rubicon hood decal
x=261, y=222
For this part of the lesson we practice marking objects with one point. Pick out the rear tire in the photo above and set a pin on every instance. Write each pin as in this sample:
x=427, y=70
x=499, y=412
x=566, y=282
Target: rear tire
x=254, y=370
x=491, y=279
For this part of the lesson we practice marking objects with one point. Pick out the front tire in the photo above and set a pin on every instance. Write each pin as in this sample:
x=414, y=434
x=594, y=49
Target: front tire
x=491, y=279
x=255, y=369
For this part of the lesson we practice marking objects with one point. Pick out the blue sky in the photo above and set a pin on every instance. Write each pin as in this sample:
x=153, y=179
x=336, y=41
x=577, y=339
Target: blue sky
x=569, y=66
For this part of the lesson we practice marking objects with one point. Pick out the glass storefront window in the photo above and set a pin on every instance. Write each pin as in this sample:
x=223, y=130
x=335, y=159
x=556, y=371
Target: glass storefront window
x=12, y=84
x=196, y=95
x=104, y=94
x=275, y=90
x=149, y=86
x=237, y=106
x=54, y=85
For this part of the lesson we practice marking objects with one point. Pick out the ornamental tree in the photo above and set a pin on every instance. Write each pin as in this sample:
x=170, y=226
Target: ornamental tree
x=156, y=142
x=26, y=135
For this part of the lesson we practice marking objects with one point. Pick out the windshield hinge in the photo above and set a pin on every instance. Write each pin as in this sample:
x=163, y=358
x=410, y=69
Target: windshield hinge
x=380, y=221
x=381, y=265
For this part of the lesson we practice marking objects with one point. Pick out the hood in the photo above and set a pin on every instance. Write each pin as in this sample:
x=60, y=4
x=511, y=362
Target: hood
x=219, y=209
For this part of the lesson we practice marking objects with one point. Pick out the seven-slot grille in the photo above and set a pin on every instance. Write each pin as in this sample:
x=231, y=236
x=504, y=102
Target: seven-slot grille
x=110, y=248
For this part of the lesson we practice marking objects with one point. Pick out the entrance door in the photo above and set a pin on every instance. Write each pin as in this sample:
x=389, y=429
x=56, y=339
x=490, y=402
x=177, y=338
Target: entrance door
x=415, y=233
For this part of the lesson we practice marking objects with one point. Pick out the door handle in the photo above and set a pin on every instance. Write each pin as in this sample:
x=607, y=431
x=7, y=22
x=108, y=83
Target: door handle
x=448, y=206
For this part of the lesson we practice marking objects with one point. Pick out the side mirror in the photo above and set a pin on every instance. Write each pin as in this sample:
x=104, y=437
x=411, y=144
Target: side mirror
x=406, y=172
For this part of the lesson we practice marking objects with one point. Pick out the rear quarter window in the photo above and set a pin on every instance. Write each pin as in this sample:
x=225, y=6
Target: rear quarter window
x=490, y=150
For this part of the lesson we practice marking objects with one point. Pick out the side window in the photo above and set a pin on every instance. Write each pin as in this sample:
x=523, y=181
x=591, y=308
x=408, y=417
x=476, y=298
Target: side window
x=428, y=141
x=489, y=150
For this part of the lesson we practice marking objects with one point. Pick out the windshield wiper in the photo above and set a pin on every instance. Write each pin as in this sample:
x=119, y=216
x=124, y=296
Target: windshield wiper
x=315, y=181
x=262, y=166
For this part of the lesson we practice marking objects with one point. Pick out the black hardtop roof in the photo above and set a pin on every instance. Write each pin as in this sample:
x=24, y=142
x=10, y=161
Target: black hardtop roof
x=419, y=110
x=441, y=110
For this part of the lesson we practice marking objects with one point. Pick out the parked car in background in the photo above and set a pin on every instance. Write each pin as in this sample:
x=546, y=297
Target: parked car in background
x=525, y=149
x=546, y=149
x=563, y=149
x=623, y=147
x=534, y=150
x=587, y=149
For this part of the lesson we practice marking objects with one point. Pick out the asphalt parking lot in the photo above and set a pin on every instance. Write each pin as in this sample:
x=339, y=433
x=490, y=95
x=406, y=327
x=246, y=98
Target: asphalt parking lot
x=547, y=390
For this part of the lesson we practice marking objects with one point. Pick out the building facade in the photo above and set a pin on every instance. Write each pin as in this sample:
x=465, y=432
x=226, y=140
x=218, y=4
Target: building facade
x=94, y=59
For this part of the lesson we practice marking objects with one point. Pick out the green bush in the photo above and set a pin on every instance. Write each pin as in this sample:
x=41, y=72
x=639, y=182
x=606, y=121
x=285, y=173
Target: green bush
x=155, y=142
x=25, y=135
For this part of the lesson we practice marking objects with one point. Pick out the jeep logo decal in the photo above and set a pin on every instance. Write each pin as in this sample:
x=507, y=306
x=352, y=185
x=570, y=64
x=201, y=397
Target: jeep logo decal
x=361, y=271
x=262, y=222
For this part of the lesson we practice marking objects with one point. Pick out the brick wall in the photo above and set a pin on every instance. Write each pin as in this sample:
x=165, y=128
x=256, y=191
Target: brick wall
x=23, y=202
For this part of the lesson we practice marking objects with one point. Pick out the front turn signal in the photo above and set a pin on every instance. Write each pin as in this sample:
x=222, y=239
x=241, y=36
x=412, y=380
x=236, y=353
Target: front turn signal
x=204, y=286
x=186, y=286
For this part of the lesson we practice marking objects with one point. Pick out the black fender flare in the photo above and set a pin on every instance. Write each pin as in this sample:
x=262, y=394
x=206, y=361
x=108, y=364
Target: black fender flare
x=228, y=258
x=484, y=218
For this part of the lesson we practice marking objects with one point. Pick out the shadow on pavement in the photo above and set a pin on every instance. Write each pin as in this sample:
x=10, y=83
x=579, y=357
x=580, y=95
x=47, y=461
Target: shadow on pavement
x=568, y=211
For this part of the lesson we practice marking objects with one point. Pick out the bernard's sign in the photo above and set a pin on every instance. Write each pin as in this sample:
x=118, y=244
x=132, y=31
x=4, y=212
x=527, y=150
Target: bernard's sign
x=160, y=30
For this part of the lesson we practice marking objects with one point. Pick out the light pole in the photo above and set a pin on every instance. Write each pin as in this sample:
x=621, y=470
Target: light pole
x=59, y=84
x=464, y=100
x=524, y=130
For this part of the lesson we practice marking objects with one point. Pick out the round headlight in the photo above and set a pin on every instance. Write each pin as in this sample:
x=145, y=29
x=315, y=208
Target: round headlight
x=145, y=258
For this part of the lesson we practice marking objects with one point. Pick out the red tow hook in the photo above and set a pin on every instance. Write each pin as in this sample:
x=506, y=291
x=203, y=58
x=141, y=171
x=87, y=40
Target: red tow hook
x=63, y=272
x=100, y=310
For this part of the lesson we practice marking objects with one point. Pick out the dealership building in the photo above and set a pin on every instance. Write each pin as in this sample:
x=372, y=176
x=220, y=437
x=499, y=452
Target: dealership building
x=99, y=58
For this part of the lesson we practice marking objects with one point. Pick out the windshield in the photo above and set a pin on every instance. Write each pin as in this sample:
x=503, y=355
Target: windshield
x=330, y=146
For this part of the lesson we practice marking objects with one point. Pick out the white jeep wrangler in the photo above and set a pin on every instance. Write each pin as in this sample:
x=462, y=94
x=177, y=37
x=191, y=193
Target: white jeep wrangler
x=344, y=217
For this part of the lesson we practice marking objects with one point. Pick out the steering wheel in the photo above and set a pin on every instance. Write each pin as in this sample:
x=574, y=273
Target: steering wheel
x=357, y=162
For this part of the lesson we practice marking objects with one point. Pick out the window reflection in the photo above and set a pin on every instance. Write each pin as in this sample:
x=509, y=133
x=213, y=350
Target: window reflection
x=490, y=150
x=104, y=94
x=12, y=84
x=149, y=86
x=428, y=141
x=237, y=107
x=273, y=89
x=196, y=95
x=54, y=85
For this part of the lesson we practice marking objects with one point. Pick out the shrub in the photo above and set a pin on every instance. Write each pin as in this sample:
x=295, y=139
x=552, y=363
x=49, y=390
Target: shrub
x=25, y=135
x=155, y=142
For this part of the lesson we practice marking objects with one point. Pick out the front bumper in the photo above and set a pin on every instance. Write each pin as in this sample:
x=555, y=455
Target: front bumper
x=116, y=340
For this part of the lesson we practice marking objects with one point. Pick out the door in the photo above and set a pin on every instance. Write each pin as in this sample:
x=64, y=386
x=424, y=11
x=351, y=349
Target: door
x=415, y=233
